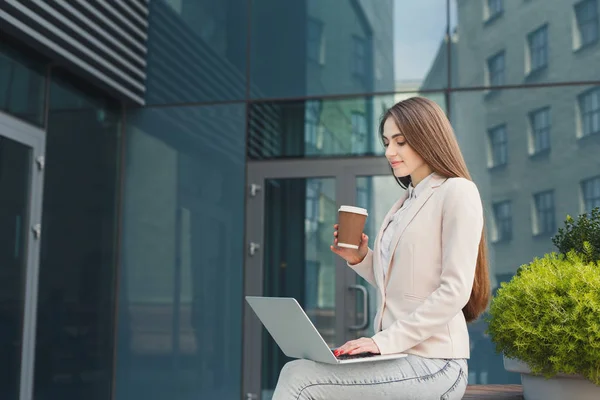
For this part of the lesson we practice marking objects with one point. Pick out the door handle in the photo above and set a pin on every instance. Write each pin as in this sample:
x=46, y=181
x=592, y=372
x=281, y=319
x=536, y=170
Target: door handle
x=365, y=321
x=253, y=248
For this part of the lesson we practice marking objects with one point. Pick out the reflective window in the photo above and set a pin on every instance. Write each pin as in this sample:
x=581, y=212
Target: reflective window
x=538, y=49
x=503, y=221
x=493, y=8
x=22, y=84
x=496, y=69
x=196, y=51
x=591, y=193
x=540, y=130
x=498, y=146
x=589, y=110
x=325, y=127
x=544, y=216
x=543, y=42
x=314, y=47
x=315, y=43
x=586, y=15
x=75, y=325
x=15, y=161
x=180, y=293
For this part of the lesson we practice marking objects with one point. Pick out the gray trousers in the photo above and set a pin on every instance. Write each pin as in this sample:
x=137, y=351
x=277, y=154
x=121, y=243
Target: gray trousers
x=409, y=378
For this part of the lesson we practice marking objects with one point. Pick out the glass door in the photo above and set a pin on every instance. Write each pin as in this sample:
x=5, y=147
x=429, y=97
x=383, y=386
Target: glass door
x=21, y=165
x=291, y=209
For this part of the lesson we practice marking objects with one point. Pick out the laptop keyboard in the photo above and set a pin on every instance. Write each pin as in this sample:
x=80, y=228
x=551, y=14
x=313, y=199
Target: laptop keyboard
x=352, y=356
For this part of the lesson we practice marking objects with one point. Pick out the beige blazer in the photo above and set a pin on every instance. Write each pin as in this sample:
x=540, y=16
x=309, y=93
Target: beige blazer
x=431, y=271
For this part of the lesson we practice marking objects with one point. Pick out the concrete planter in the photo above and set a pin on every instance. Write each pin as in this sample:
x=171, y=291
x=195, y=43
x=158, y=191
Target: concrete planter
x=559, y=387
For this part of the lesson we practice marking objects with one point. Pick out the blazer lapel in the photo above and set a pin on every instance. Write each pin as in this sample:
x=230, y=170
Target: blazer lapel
x=409, y=215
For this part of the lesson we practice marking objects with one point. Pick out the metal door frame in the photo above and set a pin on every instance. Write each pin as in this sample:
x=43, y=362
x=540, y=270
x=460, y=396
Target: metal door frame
x=35, y=139
x=344, y=171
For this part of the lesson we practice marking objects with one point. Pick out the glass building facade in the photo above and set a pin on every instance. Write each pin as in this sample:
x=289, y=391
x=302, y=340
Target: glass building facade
x=134, y=219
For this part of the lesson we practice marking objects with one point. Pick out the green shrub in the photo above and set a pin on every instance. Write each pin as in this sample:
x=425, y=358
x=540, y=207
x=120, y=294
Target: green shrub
x=576, y=233
x=549, y=316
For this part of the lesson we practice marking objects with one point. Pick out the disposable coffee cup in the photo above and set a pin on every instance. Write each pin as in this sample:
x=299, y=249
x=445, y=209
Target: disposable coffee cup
x=351, y=221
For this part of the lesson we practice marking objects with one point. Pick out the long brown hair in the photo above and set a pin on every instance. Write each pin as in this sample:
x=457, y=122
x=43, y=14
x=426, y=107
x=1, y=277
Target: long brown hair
x=427, y=130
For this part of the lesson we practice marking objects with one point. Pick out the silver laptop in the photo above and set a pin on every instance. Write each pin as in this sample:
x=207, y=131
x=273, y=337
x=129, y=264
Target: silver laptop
x=296, y=335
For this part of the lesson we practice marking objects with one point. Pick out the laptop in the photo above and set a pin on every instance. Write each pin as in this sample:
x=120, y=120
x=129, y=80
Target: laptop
x=296, y=335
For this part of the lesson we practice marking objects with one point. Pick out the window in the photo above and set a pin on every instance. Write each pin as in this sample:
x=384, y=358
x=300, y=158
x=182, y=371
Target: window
x=312, y=114
x=591, y=193
x=493, y=9
x=496, y=69
x=538, y=48
x=359, y=57
x=313, y=197
x=503, y=221
x=544, y=220
x=359, y=133
x=586, y=17
x=540, y=130
x=589, y=109
x=315, y=41
x=498, y=146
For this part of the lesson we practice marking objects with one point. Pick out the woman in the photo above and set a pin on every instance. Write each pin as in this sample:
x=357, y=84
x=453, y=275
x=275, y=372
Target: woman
x=430, y=266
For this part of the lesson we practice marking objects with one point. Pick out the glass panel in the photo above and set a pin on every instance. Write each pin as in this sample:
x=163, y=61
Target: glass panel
x=315, y=48
x=572, y=159
x=299, y=219
x=75, y=327
x=327, y=127
x=196, y=51
x=180, y=296
x=542, y=42
x=377, y=194
x=15, y=161
x=22, y=84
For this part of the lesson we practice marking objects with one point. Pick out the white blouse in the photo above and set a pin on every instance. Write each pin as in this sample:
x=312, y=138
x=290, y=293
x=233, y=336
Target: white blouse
x=390, y=229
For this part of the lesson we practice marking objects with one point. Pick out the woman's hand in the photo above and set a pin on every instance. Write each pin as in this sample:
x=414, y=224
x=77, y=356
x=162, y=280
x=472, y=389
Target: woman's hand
x=362, y=345
x=352, y=256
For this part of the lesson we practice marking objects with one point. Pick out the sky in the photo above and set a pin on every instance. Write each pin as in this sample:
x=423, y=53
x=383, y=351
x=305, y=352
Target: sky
x=419, y=27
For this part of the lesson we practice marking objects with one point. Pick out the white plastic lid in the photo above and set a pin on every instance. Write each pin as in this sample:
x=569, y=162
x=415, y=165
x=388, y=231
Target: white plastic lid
x=352, y=209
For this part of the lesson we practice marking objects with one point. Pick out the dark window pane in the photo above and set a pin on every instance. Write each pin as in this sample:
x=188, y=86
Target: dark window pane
x=314, y=47
x=496, y=69
x=589, y=112
x=22, y=84
x=544, y=208
x=75, y=327
x=538, y=48
x=180, y=300
x=591, y=193
x=586, y=14
x=499, y=145
x=15, y=161
x=540, y=129
x=196, y=51
x=503, y=221
x=313, y=128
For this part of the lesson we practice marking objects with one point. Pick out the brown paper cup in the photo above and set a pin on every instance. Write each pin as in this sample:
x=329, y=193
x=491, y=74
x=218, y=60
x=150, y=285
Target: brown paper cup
x=351, y=222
